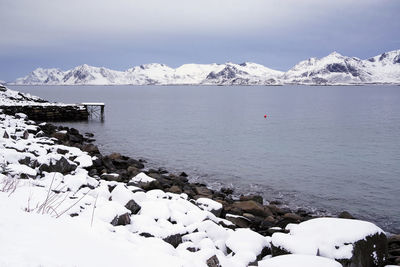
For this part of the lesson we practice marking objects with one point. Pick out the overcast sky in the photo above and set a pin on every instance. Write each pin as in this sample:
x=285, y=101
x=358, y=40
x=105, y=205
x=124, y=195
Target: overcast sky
x=119, y=34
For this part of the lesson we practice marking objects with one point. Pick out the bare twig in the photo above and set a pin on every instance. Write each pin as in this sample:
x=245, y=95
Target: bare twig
x=94, y=207
x=73, y=204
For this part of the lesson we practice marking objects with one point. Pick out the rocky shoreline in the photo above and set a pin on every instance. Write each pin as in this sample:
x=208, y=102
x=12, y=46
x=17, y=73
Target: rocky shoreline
x=247, y=211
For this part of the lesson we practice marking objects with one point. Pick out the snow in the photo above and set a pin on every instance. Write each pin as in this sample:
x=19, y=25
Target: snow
x=142, y=178
x=298, y=261
x=330, y=237
x=10, y=97
x=246, y=244
x=332, y=69
x=208, y=204
x=84, y=160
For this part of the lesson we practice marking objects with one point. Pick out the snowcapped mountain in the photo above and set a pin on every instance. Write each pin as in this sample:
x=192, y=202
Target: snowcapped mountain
x=338, y=69
x=243, y=74
x=42, y=76
x=329, y=70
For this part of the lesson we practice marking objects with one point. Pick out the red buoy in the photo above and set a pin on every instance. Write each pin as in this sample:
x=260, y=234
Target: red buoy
x=265, y=116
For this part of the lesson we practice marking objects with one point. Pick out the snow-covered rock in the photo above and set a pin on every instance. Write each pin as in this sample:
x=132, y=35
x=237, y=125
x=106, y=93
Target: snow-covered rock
x=11, y=97
x=348, y=241
x=298, y=261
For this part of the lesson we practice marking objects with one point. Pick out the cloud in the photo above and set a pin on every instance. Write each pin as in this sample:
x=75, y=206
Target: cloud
x=45, y=22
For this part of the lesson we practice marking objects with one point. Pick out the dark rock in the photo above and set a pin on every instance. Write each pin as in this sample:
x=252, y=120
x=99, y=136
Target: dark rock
x=203, y=191
x=133, y=171
x=175, y=189
x=146, y=235
x=255, y=198
x=75, y=138
x=111, y=188
x=136, y=163
x=152, y=185
x=107, y=162
x=162, y=170
x=239, y=221
x=120, y=163
x=227, y=191
x=114, y=156
x=90, y=148
x=110, y=177
x=253, y=207
x=73, y=131
x=60, y=136
x=192, y=249
x=213, y=262
x=345, y=215
x=123, y=219
x=62, y=151
x=294, y=218
x=97, y=162
x=93, y=172
x=264, y=252
x=154, y=174
x=394, y=239
x=62, y=166
x=183, y=174
x=25, y=161
x=89, y=134
x=133, y=206
x=174, y=240
x=25, y=135
x=395, y=252
x=5, y=135
x=275, y=202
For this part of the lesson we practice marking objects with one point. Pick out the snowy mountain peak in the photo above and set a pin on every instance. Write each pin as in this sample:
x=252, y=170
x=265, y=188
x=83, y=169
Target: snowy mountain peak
x=335, y=54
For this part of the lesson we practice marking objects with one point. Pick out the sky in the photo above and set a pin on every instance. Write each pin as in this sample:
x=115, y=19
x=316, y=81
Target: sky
x=120, y=34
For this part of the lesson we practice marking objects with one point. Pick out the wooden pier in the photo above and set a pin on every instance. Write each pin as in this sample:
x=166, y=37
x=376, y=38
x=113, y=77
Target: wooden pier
x=95, y=110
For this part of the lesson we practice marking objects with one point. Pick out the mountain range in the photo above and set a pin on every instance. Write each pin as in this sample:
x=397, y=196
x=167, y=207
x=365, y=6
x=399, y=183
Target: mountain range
x=334, y=69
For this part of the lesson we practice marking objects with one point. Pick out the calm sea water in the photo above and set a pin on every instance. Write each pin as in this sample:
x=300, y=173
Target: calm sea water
x=323, y=148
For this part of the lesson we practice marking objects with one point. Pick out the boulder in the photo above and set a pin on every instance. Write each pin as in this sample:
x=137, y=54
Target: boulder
x=209, y=205
x=255, y=198
x=61, y=135
x=107, y=162
x=114, y=156
x=90, y=148
x=353, y=243
x=213, y=262
x=227, y=191
x=183, y=174
x=63, y=166
x=239, y=221
x=203, y=191
x=298, y=261
x=253, y=207
x=123, y=219
x=110, y=177
x=175, y=189
x=174, y=240
x=345, y=215
x=133, y=171
x=133, y=206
